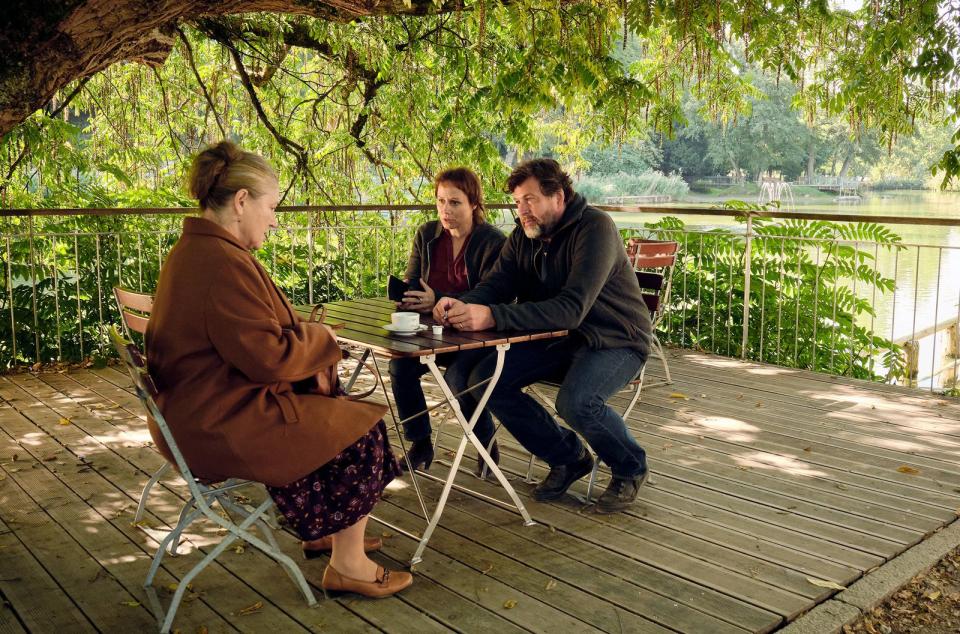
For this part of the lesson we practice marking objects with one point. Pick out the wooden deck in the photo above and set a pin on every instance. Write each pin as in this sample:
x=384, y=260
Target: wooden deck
x=766, y=483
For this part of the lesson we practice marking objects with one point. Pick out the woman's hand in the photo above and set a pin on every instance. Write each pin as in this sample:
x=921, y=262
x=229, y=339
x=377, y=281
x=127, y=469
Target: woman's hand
x=420, y=301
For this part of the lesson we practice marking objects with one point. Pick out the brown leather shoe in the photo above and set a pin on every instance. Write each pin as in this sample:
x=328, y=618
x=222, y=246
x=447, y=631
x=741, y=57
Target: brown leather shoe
x=388, y=582
x=317, y=547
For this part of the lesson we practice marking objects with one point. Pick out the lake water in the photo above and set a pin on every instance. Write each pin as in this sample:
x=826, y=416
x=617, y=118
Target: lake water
x=927, y=271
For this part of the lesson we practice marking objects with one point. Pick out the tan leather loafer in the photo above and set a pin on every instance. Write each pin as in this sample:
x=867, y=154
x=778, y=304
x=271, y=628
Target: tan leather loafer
x=388, y=582
x=316, y=547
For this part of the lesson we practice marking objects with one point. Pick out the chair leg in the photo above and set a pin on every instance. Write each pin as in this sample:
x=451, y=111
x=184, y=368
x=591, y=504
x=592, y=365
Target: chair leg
x=182, y=523
x=234, y=532
x=663, y=358
x=593, y=479
x=142, y=506
x=185, y=520
x=636, y=395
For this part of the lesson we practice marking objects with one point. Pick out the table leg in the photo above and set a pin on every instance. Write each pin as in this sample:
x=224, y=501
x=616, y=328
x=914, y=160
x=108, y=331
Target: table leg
x=356, y=371
x=468, y=436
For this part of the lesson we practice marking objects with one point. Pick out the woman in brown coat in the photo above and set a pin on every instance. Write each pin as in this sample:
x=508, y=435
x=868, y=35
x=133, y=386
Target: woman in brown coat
x=225, y=349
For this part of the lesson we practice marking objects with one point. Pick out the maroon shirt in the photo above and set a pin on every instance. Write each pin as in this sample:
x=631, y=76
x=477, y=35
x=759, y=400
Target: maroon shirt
x=447, y=274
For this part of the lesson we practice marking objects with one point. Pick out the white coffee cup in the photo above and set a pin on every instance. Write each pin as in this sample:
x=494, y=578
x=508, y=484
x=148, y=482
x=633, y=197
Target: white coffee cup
x=405, y=320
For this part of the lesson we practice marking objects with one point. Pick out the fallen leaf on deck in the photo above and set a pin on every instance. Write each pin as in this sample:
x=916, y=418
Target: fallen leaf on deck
x=759, y=404
x=551, y=584
x=739, y=397
x=510, y=604
x=487, y=569
x=908, y=470
x=238, y=549
x=250, y=609
x=386, y=534
x=680, y=395
x=703, y=396
x=821, y=583
x=808, y=449
x=131, y=604
x=63, y=421
x=202, y=629
x=933, y=596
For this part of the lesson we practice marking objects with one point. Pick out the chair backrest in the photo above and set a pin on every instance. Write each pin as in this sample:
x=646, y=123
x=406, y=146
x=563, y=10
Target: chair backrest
x=136, y=365
x=653, y=262
x=652, y=254
x=135, y=309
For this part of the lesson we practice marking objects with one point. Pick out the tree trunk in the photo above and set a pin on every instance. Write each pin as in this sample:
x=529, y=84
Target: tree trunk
x=46, y=45
x=811, y=160
x=847, y=159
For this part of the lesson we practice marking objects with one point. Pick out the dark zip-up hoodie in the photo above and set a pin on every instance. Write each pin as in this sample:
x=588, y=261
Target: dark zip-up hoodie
x=482, y=251
x=581, y=280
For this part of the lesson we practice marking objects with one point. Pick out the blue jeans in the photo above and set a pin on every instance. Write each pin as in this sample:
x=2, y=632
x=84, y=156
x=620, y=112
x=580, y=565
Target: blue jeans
x=405, y=376
x=587, y=379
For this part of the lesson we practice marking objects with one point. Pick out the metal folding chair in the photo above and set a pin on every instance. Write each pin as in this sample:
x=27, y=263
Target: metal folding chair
x=202, y=496
x=135, y=309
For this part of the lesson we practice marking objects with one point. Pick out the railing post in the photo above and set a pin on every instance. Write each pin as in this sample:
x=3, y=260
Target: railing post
x=747, y=257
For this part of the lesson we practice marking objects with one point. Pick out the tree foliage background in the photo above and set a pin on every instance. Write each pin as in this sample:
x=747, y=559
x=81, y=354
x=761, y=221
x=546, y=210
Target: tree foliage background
x=368, y=111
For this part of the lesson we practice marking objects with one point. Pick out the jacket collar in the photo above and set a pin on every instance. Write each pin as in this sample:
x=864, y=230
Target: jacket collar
x=572, y=213
x=194, y=225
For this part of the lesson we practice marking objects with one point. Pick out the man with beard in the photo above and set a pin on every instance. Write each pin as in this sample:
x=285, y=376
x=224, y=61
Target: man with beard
x=566, y=266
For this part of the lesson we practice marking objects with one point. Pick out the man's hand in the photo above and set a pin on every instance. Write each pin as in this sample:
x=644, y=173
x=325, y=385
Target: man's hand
x=440, y=310
x=470, y=317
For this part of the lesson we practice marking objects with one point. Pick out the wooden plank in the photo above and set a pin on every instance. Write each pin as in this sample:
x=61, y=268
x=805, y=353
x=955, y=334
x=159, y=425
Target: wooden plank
x=255, y=569
x=724, y=495
x=721, y=573
x=22, y=580
x=101, y=597
x=844, y=527
x=661, y=497
x=929, y=501
x=861, y=396
x=589, y=593
x=793, y=467
x=624, y=527
x=8, y=619
x=877, y=443
x=881, y=440
x=488, y=572
x=918, y=411
x=559, y=536
x=99, y=522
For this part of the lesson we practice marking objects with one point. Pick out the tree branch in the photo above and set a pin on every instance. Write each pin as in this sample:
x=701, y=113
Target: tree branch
x=203, y=86
x=53, y=113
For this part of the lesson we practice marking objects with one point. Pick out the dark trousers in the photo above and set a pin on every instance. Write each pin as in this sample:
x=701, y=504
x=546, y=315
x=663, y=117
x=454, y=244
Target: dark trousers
x=587, y=379
x=405, y=376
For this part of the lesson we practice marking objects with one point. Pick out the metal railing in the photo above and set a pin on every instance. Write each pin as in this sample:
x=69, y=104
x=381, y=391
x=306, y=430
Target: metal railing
x=764, y=291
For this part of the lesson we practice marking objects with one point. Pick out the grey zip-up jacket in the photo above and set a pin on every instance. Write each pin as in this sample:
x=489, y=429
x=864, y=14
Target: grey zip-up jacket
x=581, y=281
x=482, y=251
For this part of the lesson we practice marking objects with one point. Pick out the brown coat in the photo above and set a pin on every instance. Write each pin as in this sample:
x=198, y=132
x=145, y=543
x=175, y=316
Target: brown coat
x=224, y=346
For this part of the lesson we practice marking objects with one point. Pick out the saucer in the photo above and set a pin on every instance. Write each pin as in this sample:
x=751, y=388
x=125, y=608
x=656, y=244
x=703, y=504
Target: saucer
x=397, y=331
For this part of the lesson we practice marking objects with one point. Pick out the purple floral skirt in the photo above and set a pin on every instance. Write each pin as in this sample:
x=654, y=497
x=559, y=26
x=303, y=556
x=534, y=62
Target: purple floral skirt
x=339, y=493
